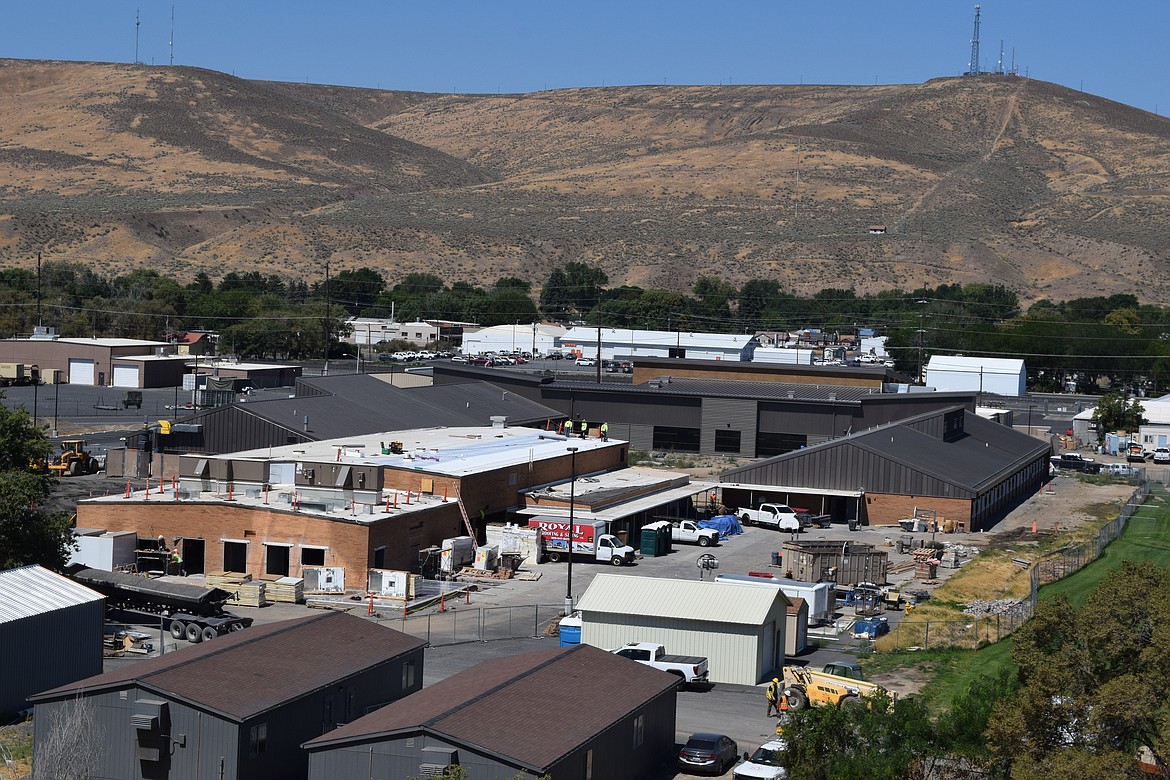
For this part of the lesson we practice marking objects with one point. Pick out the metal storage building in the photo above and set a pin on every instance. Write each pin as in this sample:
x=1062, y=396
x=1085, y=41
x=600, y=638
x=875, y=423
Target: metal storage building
x=568, y=713
x=51, y=630
x=239, y=707
x=740, y=628
x=953, y=463
x=1002, y=376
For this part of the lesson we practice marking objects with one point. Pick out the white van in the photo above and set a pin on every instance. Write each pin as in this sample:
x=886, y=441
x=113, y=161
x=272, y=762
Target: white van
x=1117, y=469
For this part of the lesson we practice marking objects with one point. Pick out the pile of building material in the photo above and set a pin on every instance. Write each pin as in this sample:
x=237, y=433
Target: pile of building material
x=996, y=607
x=228, y=580
x=926, y=563
x=288, y=590
x=249, y=594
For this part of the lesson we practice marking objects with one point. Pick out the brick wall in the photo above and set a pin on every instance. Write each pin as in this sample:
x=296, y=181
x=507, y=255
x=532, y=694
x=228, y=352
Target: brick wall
x=350, y=544
x=885, y=508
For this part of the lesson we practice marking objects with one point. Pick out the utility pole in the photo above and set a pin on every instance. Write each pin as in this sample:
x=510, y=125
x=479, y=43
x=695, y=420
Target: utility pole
x=325, y=366
x=921, y=336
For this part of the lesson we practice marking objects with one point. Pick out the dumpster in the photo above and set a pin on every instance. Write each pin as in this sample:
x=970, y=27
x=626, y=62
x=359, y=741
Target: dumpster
x=776, y=558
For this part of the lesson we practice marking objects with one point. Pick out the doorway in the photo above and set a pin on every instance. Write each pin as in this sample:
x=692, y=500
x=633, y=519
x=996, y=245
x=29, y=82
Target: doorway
x=277, y=560
x=235, y=556
x=193, y=551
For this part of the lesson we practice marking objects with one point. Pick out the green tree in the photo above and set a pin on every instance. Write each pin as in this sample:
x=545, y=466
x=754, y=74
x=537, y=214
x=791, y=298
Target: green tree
x=1116, y=413
x=28, y=532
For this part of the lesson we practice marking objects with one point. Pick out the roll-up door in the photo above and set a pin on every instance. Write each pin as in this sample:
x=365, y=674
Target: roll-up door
x=126, y=376
x=81, y=372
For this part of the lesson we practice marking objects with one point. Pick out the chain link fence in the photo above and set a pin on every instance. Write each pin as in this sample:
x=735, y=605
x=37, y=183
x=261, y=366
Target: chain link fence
x=480, y=624
x=979, y=630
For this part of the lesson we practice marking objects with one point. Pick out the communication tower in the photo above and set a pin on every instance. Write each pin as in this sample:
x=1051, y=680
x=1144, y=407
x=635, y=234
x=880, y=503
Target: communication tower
x=973, y=68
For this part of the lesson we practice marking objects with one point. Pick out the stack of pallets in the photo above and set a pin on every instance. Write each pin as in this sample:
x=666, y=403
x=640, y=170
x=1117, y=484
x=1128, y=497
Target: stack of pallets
x=249, y=594
x=290, y=590
x=228, y=580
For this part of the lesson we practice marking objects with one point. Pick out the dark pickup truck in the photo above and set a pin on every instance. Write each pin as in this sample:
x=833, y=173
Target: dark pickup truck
x=1073, y=461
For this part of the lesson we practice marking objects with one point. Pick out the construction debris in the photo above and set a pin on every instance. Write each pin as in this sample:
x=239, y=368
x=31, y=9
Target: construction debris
x=996, y=607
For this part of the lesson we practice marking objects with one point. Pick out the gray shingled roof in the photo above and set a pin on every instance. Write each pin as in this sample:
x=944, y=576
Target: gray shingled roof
x=540, y=727
x=243, y=674
x=356, y=404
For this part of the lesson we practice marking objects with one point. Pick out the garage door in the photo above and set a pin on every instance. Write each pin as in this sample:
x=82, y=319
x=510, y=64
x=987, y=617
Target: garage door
x=125, y=376
x=81, y=372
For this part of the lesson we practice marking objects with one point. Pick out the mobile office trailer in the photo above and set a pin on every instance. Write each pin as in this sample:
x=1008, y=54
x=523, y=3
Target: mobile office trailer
x=821, y=597
x=589, y=538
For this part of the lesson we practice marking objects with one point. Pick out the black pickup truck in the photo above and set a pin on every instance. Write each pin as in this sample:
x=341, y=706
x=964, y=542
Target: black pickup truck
x=1073, y=461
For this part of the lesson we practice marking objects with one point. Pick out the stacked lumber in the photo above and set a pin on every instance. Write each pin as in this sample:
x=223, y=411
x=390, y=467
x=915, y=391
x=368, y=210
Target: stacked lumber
x=228, y=580
x=289, y=590
x=249, y=594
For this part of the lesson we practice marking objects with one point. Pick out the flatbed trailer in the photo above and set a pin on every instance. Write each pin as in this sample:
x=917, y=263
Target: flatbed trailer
x=193, y=612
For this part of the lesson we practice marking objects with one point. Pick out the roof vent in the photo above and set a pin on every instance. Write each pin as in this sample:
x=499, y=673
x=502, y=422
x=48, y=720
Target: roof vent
x=791, y=394
x=832, y=396
x=498, y=421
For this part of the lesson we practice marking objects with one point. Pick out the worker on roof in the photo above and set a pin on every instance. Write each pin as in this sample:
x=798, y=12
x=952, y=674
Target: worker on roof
x=772, y=694
x=605, y=431
x=583, y=428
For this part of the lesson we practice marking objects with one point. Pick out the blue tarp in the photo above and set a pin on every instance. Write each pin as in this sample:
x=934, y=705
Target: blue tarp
x=726, y=525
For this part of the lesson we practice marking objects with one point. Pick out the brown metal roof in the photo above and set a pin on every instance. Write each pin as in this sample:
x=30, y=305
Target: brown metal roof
x=251, y=671
x=554, y=701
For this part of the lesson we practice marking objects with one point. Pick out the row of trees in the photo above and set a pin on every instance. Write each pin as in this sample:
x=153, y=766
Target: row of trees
x=1089, y=692
x=1092, y=341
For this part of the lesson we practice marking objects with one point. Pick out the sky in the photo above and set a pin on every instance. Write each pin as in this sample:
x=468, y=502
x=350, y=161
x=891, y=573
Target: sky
x=1114, y=50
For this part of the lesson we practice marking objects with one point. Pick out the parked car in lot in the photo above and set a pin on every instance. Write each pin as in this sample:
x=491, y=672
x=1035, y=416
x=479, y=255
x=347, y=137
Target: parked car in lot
x=766, y=763
x=1074, y=461
x=584, y=361
x=1162, y=455
x=1118, y=469
x=708, y=754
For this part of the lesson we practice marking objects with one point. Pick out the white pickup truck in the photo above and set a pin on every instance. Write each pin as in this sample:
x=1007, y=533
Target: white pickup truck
x=691, y=669
x=690, y=532
x=779, y=516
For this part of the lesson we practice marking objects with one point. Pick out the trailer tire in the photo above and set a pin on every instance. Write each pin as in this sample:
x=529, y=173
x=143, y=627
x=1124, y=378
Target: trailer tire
x=797, y=701
x=209, y=633
x=617, y=560
x=704, y=541
x=194, y=633
x=554, y=557
x=178, y=630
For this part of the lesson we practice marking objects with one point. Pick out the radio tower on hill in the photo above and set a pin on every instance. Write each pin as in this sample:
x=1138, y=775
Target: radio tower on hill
x=973, y=68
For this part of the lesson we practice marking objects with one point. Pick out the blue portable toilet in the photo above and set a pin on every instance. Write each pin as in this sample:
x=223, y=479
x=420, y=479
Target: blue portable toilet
x=570, y=630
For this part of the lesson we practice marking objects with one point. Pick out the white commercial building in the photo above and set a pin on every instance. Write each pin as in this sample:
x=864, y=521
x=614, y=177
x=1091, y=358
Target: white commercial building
x=535, y=337
x=1001, y=376
x=610, y=343
x=739, y=628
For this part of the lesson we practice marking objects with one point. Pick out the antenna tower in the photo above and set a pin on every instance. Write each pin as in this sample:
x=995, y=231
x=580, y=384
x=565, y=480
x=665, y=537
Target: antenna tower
x=137, y=24
x=974, y=65
x=999, y=65
x=173, y=29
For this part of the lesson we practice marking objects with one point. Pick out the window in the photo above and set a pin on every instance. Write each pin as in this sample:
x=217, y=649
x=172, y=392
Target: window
x=235, y=556
x=312, y=556
x=771, y=444
x=639, y=730
x=726, y=441
x=277, y=560
x=678, y=439
x=258, y=740
x=380, y=557
x=408, y=675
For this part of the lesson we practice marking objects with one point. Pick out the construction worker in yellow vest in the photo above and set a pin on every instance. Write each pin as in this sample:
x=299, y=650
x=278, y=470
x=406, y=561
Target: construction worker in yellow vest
x=583, y=428
x=773, y=693
x=605, y=431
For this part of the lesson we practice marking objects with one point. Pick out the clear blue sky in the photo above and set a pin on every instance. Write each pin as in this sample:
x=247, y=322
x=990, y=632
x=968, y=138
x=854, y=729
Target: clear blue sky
x=1109, y=49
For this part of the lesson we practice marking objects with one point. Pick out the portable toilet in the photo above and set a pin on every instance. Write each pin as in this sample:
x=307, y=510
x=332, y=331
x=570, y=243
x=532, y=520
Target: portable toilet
x=665, y=538
x=648, y=541
x=570, y=630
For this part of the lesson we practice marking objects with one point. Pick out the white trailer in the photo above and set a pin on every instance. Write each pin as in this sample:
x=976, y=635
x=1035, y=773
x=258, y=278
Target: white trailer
x=821, y=597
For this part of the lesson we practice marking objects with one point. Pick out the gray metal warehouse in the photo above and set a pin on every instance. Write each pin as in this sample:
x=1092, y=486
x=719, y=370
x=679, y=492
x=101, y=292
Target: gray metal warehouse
x=239, y=707
x=741, y=629
x=51, y=629
x=951, y=465
x=568, y=713
x=722, y=416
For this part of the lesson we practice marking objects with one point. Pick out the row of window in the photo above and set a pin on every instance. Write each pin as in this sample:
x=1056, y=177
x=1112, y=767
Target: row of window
x=727, y=441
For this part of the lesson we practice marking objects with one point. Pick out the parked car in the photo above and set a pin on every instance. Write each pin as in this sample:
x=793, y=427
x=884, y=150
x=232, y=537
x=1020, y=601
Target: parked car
x=1117, y=469
x=1162, y=455
x=554, y=356
x=766, y=763
x=706, y=753
x=1076, y=462
x=584, y=361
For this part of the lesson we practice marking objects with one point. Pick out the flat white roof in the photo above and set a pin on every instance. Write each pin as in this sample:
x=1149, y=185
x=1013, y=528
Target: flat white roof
x=111, y=342
x=794, y=489
x=451, y=452
x=151, y=358
x=212, y=364
x=676, y=486
x=620, y=336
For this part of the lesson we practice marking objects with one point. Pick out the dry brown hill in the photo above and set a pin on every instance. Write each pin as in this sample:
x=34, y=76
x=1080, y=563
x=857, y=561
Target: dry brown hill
x=1054, y=192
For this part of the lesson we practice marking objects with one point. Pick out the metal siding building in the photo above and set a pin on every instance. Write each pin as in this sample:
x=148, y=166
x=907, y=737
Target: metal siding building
x=295, y=680
x=51, y=629
x=1002, y=376
x=740, y=629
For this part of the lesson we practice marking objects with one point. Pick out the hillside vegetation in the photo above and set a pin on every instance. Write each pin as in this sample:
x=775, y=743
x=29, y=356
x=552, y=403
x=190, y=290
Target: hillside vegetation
x=992, y=179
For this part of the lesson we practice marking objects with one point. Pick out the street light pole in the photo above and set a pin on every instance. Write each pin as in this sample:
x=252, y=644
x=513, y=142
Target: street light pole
x=56, y=397
x=572, y=528
x=35, y=370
